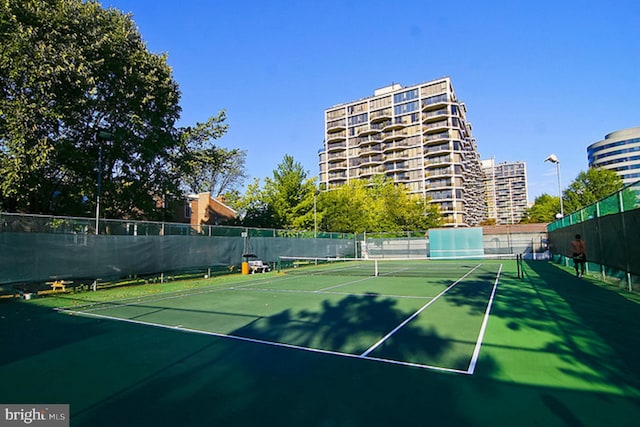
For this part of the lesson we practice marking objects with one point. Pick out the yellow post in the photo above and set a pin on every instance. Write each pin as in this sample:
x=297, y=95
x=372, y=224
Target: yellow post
x=245, y=268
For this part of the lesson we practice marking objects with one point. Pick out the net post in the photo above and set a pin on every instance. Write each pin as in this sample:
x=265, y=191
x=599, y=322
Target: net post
x=375, y=263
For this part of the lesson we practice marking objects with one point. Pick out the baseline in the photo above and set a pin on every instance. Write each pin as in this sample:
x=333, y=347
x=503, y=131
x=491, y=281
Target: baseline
x=265, y=342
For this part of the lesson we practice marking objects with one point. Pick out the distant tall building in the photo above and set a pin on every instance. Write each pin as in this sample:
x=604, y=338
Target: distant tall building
x=417, y=136
x=505, y=190
x=620, y=152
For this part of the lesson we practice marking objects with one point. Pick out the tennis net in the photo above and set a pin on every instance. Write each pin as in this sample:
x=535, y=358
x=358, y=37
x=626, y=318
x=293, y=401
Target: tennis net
x=392, y=267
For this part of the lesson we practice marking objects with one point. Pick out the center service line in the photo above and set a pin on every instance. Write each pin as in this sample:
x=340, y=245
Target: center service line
x=414, y=315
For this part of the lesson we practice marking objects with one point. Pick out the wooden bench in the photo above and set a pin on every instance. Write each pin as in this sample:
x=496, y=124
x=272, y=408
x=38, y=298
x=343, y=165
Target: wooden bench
x=59, y=285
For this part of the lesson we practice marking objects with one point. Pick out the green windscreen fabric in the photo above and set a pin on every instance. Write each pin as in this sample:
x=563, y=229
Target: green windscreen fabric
x=455, y=242
x=610, y=240
x=31, y=257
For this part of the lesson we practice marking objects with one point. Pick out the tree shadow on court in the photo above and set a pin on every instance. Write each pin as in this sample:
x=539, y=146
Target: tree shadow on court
x=586, y=330
x=350, y=325
x=115, y=373
x=473, y=293
x=598, y=323
x=27, y=329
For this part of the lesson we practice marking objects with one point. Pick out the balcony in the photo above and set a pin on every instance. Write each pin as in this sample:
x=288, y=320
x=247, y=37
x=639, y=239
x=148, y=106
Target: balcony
x=366, y=172
x=438, y=195
x=394, y=157
x=367, y=130
x=396, y=166
x=338, y=136
x=398, y=177
x=438, y=172
x=337, y=166
x=337, y=156
x=434, y=116
x=394, y=146
x=338, y=176
x=391, y=126
x=437, y=161
x=435, y=102
x=436, y=127
x=393, y=135
x=380, y=115
x=437, y=150
x=371, y=160
x=369, y=140
x=441, y=183
x=336, y=146
x=336, y=126
x=370, y=150
x=436, y=137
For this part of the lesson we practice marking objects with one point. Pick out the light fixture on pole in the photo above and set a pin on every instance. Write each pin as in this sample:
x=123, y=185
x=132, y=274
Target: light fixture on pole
x=554, y=159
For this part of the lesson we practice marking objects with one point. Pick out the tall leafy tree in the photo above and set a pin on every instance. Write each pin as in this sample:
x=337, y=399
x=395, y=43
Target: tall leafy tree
x=207, y=168
x=589, y=187
x=544, y=209
x=347, y=208
x=287, y=201
x=288, y=191
x=81, y=97
x=376, y=205
x=253, y=208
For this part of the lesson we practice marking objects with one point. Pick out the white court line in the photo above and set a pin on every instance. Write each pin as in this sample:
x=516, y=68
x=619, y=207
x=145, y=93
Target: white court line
x=485, y=321
x=414, y=315
x=103, y=305
x=264, y=342
x=345, y=284
x=320, y=292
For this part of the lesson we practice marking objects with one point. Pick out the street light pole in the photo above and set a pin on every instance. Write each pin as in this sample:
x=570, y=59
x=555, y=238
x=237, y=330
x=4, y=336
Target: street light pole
x=554, y=159
x=105, y=136
x=315, y=214
x=98, y=192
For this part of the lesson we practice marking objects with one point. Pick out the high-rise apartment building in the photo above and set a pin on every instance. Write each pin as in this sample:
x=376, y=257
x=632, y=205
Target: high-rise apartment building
x=417, y=136
x=619, y=152
x=505, y=190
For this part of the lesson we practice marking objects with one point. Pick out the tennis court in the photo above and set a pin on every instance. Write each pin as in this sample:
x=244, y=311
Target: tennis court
x=446, y=343
x=384, y=311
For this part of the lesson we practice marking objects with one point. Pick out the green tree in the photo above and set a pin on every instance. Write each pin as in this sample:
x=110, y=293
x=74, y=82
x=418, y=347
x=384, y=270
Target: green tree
x=81, y=96
x=589, y=187
x=544, y=209
x=287, y=201
x=346, y=208
x=253, y=208
x=207, y=168
x=289, y=193
x=376, y=205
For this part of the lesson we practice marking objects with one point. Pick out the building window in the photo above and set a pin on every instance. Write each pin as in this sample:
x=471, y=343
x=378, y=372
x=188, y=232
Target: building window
x=405, y=108
x=405, y=96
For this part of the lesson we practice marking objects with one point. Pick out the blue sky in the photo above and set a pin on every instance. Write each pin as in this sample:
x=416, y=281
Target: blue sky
x=538, y=77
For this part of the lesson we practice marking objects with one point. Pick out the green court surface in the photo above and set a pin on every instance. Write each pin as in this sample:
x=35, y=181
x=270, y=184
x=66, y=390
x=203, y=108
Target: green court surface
x=461, y=344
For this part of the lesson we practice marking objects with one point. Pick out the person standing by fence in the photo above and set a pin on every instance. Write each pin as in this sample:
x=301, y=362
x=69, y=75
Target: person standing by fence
x=578, y=252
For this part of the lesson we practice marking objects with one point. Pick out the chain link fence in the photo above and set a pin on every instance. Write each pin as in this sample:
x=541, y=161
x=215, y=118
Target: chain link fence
x=38, y=248
x=610, y=228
